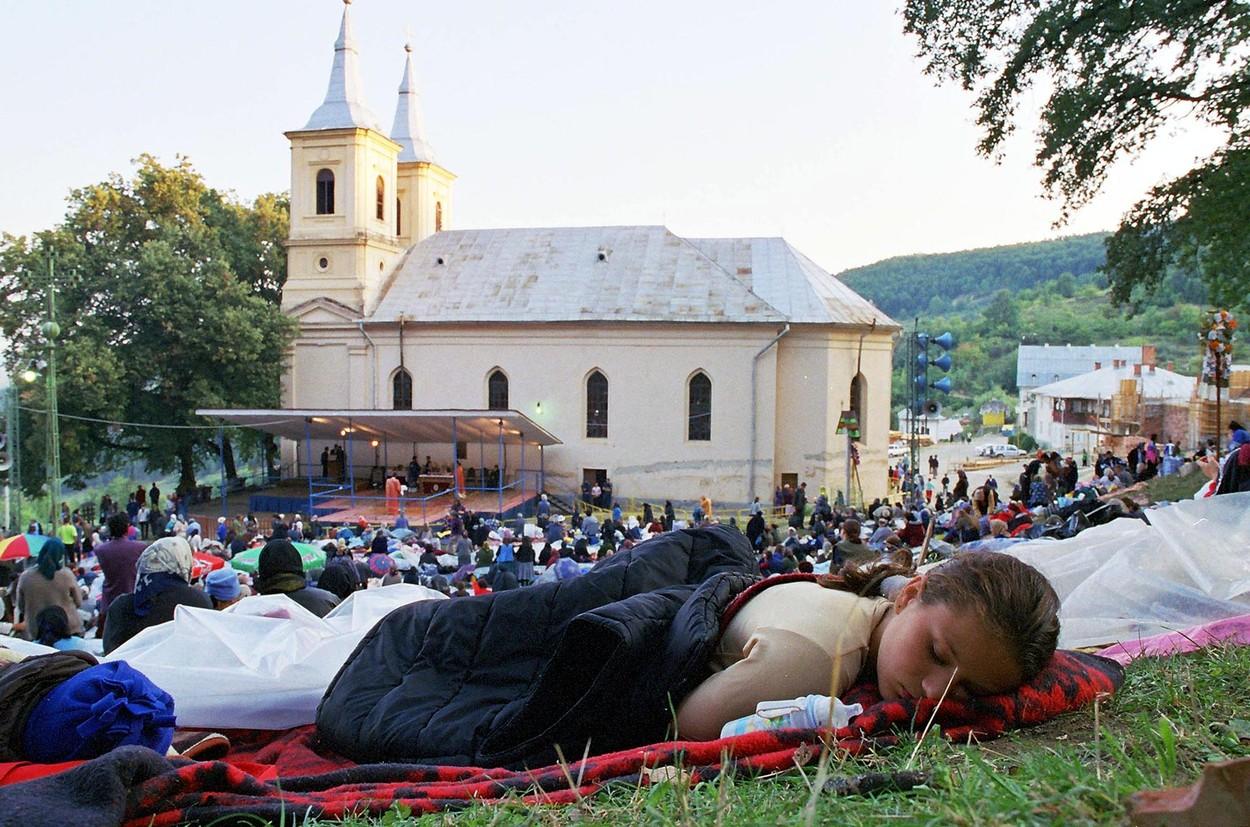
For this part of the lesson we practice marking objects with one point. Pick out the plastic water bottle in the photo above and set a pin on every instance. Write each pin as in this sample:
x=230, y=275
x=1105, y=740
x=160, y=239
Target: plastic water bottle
x=808, y=712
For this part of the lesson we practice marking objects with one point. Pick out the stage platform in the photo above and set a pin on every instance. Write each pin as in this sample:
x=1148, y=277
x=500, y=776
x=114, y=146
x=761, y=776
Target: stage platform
x=290, y=497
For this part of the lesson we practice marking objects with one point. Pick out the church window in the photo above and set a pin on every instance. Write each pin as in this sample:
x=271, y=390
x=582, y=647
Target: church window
x=381, y=199
x=401, y=391
x=597, y=405
x=859, y=394
x=497, y=391
x=699, y=417
x=438, y=216
x=399, y=211
x=325, y=192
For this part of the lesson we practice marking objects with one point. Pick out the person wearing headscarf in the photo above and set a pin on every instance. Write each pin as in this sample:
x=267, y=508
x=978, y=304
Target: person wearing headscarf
x=162, y=583
x=48, y=583
x=280, y=570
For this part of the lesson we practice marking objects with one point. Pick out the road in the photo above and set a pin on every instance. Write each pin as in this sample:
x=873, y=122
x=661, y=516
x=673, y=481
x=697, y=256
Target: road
x=951, y=455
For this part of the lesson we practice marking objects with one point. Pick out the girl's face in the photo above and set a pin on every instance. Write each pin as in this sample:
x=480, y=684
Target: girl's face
x=921, y=645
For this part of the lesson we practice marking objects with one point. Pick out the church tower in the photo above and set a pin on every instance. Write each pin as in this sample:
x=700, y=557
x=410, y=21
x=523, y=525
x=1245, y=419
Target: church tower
x=423, y=202
x=343, y=239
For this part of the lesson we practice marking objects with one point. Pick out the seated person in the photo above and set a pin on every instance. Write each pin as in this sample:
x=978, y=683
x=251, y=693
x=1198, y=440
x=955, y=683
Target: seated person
x=52, y=629
x=852, y=549
x=162, y=583
x=280, y=570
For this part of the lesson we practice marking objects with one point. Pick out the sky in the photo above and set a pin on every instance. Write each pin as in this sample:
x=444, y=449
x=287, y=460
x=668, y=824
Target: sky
x=809, y=119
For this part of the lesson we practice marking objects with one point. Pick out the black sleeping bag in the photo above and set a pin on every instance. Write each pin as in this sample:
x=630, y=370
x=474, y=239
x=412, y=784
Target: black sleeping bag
x=502, y=679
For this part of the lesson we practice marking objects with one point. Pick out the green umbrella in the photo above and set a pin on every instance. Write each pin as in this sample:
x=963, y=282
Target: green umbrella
x=249, y=561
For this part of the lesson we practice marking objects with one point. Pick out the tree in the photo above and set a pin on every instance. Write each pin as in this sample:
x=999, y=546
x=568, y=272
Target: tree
x=167, y=294
x=1117, y=73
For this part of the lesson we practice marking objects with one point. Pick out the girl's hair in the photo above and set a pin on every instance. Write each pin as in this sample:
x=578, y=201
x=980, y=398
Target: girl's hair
x=51, y=625
x=1011, y=596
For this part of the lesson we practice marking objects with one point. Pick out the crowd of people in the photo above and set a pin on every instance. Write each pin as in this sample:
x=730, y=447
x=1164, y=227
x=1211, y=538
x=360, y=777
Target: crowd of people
x=110, y=581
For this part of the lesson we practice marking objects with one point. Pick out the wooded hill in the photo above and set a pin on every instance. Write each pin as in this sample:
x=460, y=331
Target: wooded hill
x=998, y=298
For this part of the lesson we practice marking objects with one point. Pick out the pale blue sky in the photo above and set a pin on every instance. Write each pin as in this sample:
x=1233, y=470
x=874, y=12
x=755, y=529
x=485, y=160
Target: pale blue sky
x=804, y=118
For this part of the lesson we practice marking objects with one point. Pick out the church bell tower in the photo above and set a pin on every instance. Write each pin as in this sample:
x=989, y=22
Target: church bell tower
x=346, y=195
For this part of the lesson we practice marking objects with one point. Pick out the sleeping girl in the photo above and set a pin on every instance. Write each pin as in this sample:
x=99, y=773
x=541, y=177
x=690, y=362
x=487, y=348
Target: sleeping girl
x=981, y=624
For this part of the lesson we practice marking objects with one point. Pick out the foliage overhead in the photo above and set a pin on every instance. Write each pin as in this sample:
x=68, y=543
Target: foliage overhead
x=1114, y=75
x=167, y=296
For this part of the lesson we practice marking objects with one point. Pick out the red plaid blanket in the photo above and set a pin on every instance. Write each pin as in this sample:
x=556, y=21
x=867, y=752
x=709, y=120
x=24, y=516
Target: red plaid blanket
x=271, y=774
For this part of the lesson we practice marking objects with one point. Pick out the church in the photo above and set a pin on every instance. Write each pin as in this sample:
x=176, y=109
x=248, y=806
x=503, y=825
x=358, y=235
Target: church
x=677, y=367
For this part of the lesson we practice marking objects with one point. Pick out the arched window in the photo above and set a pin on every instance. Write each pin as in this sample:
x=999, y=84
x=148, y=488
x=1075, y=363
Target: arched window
x=699, y=416
x=325, y=192
x=381, y=199
x=401, y=391
x=399, y=212
x=497, y=391
x=596, y=405
x=859, y=397
x=438, y=216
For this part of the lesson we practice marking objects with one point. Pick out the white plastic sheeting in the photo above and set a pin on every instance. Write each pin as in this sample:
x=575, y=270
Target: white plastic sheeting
x=264, y=662
x=1127, y=580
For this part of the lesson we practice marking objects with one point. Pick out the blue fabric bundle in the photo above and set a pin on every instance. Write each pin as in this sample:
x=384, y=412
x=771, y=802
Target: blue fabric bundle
x=106, y=706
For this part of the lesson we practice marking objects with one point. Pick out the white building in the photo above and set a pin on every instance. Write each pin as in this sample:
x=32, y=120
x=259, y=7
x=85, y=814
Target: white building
x=941, y=428
x=1078, y=414
x=677, y=366
x=1038, y=365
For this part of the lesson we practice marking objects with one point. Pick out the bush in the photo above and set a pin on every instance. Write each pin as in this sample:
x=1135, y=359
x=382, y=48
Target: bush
x=1024, y=441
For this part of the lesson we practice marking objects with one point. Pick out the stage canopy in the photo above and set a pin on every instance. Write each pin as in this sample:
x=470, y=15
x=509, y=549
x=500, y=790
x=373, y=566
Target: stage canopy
x=434, y=427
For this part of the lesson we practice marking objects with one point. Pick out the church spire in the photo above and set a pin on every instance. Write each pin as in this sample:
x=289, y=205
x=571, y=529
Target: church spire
x=409, y=130
x=343, y=106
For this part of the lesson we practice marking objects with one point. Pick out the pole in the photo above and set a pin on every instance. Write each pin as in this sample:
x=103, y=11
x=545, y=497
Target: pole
x=1218, y=429
x=542, y=470
x=221, y=467
x=308, y=452
x=15, y=453
x=351, y=467
x=521, y=475
x=848, y=465
x=51, y=330
x=499, y=482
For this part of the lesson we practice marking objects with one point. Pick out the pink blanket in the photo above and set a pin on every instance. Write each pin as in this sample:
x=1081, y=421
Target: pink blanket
x=1233, y=630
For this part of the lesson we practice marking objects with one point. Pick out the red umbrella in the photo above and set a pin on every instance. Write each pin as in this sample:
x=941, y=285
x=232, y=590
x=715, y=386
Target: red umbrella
x=204, y=563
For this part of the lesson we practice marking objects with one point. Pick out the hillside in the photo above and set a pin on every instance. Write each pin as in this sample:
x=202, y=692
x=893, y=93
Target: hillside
x=995, y=299
x=944, y=283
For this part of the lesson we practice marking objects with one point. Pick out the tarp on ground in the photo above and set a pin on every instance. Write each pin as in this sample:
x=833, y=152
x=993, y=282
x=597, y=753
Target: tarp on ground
x=1127, y=580
x=264, y=662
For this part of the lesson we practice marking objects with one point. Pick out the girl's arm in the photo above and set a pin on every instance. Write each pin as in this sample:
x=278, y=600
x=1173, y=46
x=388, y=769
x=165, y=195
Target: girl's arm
x=778, y=665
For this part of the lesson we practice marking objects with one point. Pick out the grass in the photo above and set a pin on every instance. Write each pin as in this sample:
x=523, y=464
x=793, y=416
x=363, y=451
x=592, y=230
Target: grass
x=1170, y=717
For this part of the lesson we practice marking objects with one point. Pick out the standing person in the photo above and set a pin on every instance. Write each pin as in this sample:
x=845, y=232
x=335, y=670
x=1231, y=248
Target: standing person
x=669, y=515
x=117, y=558
x=48, y=583
x=325, y=462
x=393, y=486
x=141, y=519
x=459, y=479
x=543, y=511
x=141, y=496
x=156, y=523
x=154, y=497
x=525, y=561
x=69, y=536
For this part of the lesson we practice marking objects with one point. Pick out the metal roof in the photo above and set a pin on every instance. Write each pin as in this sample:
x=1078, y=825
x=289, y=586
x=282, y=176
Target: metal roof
x=409, y=128
x=630, y=273
x=1043, y=364
x=434, y=427
x=1105, y=383
x=791, y=282
x=344, y=107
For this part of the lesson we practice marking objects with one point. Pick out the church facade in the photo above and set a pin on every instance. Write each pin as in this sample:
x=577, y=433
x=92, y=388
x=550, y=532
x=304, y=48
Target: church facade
x=676, y=366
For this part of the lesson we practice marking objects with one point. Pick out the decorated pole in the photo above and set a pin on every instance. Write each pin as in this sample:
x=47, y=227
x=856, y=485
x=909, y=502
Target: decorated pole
x=1218, y=331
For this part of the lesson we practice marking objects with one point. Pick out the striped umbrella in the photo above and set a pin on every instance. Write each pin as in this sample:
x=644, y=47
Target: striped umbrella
x=21, y=546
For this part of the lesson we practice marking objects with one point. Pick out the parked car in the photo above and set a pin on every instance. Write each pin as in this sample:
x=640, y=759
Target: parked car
x=1001, y=449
